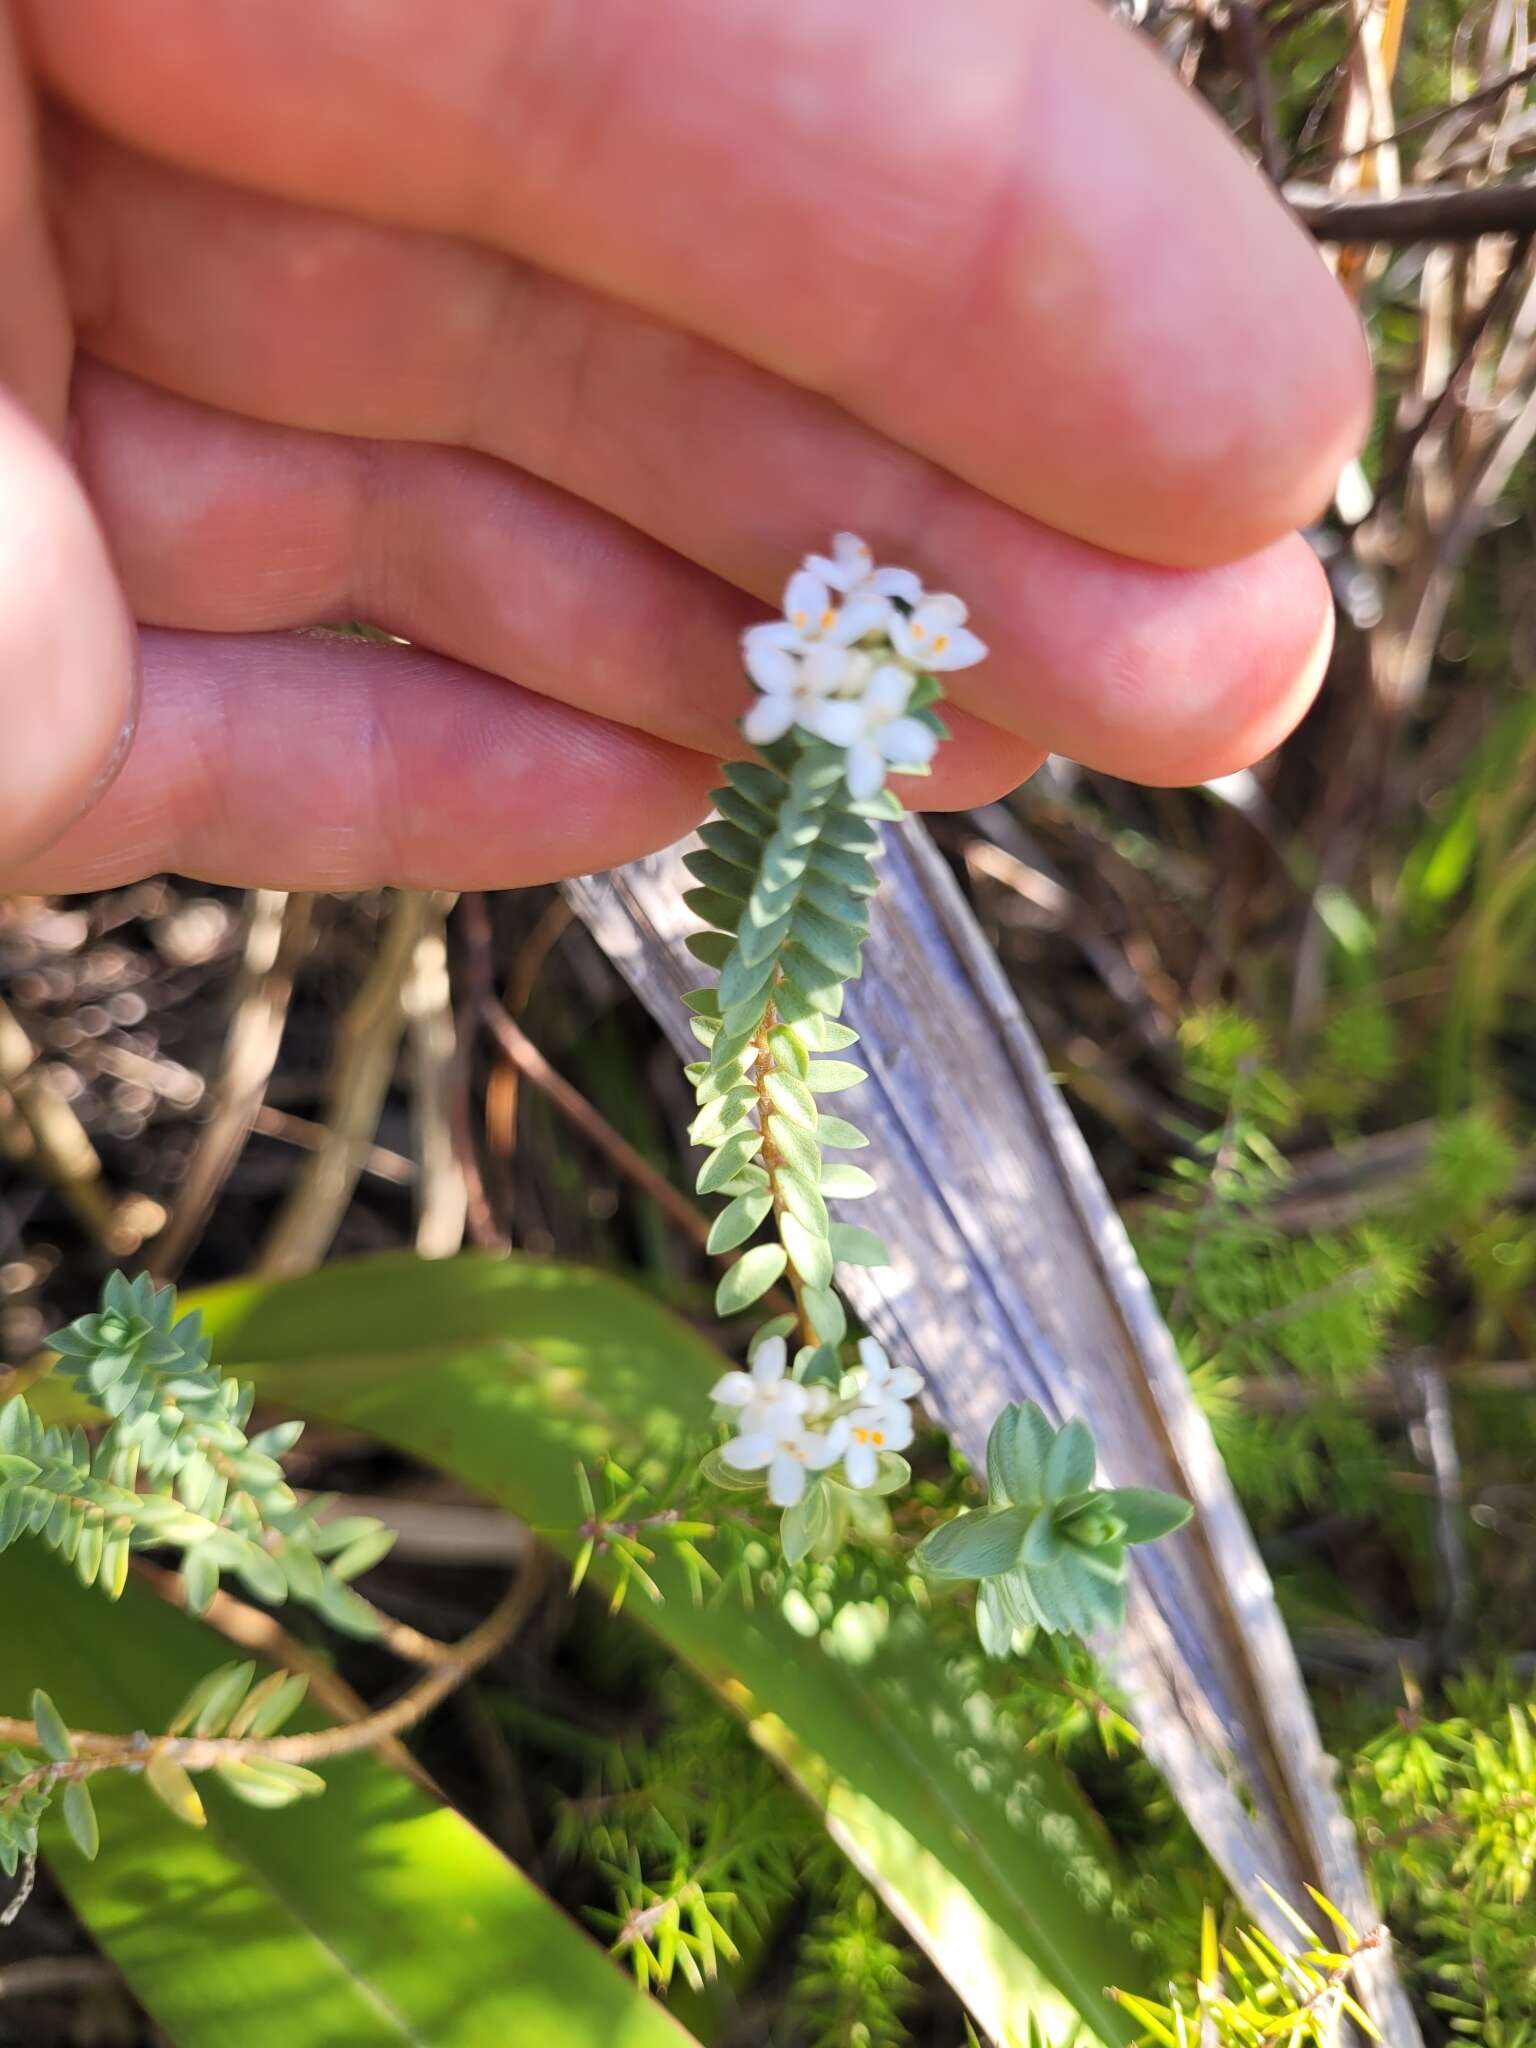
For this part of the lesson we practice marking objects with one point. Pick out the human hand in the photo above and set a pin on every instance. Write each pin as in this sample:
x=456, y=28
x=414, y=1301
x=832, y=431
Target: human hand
x=547, y=338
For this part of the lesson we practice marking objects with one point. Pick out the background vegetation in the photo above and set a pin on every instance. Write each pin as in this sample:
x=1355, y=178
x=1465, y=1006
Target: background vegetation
x=1294, y=1015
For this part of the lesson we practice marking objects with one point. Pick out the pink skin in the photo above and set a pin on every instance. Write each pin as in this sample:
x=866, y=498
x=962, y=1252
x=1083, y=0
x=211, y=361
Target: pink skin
x=1020, y=365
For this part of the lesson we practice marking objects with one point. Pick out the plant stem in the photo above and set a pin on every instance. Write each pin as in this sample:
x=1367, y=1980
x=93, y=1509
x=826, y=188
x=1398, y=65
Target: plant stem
x=101, y=1752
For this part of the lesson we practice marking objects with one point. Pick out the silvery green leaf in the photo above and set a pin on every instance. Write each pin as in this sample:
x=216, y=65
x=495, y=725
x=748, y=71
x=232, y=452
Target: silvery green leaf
x=1042, y=1545
x=363, y=1553
x=80, y=1818
x=268, y=1783
x=839, y=1135
x=828, y=1318
x=830, y=1077
x=1146, y=1513
x=712, y=872
x=891, y=1475
x=712, y=948
x=53, y=1736
x=851, y=870
x=978, y=1545
x=759, y=785
x=994, y=1624
x=208, y=1707
x=796, y=1145
x=714, y=1468
x=713, y=906
x=740, y=978
x=831, y=899
x=833, y=944
x=802, y=1199
x=859, y=1247
x=809, y=1522
x=268, y=1706
x=1017, y=1449
x=790, y=1096
x=751, y=1276
x=788, y=1049
x=820, y=985
x=830, y=1036
x=731, y=844
x=844, y=830
x=1070, y=1465
x=737, y=1221
x=727, y=1160
x=819, y=1364
x=776, y=1326
x=846, y=1183
x=808, y=1250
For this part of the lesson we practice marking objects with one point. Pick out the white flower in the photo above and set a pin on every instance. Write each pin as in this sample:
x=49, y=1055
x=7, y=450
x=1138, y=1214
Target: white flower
x=788, y=1450
x=792, y=686
x=763, y=1393
x=811, y=614
x=874, y=730
x=882, y=1421
x=851, y=569
x=884, y=1380
x=935, y=637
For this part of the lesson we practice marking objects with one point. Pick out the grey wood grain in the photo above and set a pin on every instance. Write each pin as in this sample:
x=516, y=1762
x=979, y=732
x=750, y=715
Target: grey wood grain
x=1011, y=1276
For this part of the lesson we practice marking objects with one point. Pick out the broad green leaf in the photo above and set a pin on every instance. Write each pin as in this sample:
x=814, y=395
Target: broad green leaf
x=841, y=1183
x=370, y=1917
x=507, y=1373
x=751, y=1276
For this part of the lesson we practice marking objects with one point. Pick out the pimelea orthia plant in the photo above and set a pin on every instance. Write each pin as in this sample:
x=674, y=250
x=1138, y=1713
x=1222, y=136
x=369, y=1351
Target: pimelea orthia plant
x=847, y=682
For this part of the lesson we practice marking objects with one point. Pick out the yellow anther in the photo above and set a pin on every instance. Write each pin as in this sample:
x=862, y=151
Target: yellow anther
x=941, y=643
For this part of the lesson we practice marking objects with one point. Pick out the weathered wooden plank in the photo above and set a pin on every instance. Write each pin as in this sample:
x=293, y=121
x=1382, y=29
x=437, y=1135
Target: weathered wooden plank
x=1013, y=1277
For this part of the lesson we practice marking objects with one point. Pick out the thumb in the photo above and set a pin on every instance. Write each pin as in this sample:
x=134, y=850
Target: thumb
x=67, y=648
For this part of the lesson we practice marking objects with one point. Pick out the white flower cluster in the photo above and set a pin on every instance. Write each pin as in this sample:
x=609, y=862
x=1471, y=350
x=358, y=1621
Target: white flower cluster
x=789, y=1429
x=843, y=661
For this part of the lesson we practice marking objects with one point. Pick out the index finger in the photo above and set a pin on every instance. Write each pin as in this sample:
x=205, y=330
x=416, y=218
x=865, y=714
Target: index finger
x=996, y=230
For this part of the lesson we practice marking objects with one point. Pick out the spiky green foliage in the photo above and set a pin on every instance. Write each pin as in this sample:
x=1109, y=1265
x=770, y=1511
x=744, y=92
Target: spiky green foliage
x=699, y=1838
x=1447, y=1810
x=854, y=1980
x=173, y=1467
x=1050, y=1547
x=1252, y=1992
